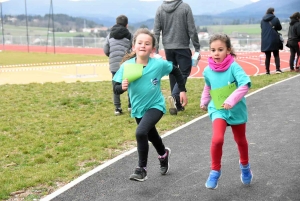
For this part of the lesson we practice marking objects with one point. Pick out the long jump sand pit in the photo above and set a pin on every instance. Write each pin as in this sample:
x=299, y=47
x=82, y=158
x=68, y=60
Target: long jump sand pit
x=87, y=72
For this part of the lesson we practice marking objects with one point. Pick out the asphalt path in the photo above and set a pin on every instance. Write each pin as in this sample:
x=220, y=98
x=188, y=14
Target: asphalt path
x=273, y=133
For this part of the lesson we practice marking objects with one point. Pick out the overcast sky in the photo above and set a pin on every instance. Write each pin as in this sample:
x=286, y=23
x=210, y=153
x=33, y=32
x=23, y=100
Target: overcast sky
x=146, y=8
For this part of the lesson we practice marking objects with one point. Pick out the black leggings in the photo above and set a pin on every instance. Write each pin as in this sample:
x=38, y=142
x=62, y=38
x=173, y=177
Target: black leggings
x=146, y=131
x=294, y=49
x=268, y=59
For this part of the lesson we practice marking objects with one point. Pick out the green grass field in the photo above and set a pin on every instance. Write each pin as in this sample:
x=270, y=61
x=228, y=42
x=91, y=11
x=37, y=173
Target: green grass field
x=250, y=29
x=253, y=30
x=52, y=133
x=13, y=58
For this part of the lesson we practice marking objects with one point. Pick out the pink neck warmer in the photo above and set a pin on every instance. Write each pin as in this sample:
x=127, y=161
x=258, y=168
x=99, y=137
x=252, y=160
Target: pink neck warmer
x=223, y=66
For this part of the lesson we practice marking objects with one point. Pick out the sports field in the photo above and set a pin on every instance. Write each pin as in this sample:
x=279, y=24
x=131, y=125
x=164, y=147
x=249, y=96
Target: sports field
x=252, y=62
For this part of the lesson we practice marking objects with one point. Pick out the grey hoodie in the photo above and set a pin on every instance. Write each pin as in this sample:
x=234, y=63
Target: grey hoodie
x=176, y=22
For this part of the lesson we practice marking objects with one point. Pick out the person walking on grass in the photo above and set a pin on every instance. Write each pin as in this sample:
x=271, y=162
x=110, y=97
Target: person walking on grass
x=147, y=100
x=221, y=71
x=174, y=20
x=117, y=43
x=294, y=41
x=270, y=25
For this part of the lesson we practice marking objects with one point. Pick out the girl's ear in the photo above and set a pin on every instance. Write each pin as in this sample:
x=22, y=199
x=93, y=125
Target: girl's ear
x=153, y=50
x=133, y=47
x=228, y=50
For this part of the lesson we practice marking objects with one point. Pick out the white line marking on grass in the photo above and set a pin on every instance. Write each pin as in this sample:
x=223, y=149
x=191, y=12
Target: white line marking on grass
x=109, y=162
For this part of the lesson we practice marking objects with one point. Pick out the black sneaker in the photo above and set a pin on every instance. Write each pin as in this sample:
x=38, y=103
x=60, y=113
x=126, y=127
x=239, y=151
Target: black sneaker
x=267, y=73
x=164, y=162
x=180, y=108
x=172, y=104
x=140, y=174
x=278, y=71
x=118, y=111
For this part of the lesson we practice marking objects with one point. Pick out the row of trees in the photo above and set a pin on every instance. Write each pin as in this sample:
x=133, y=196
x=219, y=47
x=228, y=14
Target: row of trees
x=62, y=22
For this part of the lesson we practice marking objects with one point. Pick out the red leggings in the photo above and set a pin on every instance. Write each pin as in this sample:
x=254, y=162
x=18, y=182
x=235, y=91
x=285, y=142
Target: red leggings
x=239, y=133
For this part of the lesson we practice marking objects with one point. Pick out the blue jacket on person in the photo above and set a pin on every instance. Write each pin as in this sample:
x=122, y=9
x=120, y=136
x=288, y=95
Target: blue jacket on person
x=269, y=36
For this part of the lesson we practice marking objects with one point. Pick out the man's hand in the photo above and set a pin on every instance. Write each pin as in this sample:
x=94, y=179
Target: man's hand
x=183, y=98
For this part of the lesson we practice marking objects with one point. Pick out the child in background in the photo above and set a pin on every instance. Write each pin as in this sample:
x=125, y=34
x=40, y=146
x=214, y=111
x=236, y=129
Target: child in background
x=221, y=71
x=117, y=44
x=147, y=100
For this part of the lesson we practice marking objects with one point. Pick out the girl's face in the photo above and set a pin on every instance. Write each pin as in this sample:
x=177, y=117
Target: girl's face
x=218, y=51
x=143, y=46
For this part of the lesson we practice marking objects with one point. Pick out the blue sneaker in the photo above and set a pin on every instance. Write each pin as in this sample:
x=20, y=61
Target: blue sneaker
x=213, y=178
x=246, y=176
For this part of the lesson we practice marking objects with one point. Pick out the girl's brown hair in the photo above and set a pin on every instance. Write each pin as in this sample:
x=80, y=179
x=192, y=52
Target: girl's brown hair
x=296, y=16
x=224, y=38
x=132, y=54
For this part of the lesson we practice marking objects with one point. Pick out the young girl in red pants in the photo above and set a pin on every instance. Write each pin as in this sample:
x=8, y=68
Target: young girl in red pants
x=221, y=71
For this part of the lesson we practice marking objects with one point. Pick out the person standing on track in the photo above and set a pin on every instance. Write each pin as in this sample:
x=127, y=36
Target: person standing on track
x=270, y=25
x=294, y=41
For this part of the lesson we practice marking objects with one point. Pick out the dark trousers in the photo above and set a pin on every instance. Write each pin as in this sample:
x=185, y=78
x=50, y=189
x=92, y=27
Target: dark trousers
x=268, y=59
x=146, y=131
x=294, y=49
x=183, y=59
x=117, y=99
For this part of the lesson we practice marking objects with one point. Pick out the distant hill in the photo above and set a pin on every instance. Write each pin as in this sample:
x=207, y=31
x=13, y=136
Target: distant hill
x=249, y=14
x=104, y=10
x=283, y=9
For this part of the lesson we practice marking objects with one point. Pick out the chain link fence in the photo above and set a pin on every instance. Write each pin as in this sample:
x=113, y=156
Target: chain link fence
x=239, y=44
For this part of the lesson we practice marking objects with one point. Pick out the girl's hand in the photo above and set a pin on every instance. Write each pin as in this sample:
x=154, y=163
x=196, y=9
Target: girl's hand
x=226, y=106
x=183, y=99
x=203, y=107
x=125, y=84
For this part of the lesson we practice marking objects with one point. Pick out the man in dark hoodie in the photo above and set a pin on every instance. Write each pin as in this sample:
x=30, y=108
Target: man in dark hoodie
x=270, y=42
x=174, y=20
x=117, y=44
x=293, y=40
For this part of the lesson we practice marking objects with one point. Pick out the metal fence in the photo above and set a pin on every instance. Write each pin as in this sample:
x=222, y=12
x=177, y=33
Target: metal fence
x=239, y=44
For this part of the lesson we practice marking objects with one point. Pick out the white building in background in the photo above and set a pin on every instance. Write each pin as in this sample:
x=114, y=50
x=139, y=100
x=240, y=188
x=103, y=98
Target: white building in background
x=203, y=35
x=86, y=30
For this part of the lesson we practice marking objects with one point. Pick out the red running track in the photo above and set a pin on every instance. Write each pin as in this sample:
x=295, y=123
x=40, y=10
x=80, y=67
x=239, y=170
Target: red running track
x=252, y=62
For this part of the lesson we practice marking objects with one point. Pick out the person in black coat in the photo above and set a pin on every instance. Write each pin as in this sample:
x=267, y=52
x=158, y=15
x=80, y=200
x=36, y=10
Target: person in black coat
x=270, y=25
x=293, y=40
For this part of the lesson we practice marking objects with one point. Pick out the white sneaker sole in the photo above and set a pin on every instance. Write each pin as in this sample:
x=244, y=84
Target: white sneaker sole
x=169, y=156
x=172, y=104
x=250, y=180
x=140, y=180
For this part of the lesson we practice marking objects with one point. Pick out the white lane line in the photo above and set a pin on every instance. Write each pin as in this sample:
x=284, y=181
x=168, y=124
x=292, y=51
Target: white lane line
x=255, y=66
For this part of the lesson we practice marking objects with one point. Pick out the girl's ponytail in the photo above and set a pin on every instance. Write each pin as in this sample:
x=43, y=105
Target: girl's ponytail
x=128, y=56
